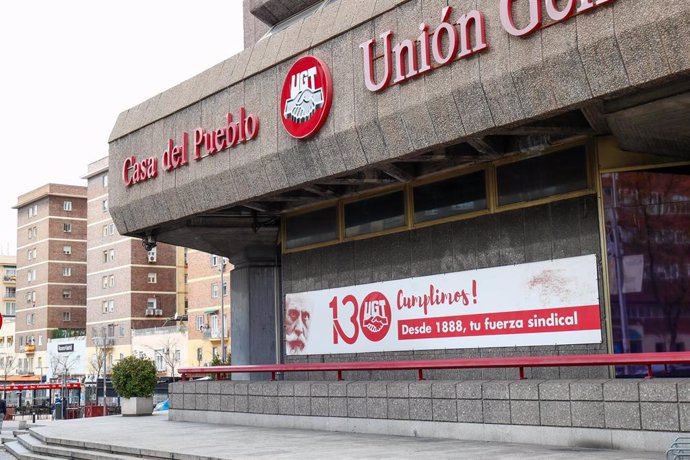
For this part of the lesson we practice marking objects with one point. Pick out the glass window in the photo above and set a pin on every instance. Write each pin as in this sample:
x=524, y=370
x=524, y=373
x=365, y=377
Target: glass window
x=105, y=180
x=199, y=322
x=152, y=278
x=111, y=305
x=67, y=205
x=450, y=197
x=10, y=308
x=105, y=306
x=111, y=254
x=539, y=177
x=375, y=214
x=67, y=271
x=214, y=291
x=311, y=228
x=105, y=230
x=111, y=281
x=151, y=302
x=67, y=228
x=214, y=261
x=105, y=282
x=66, y=293
x=104, y=205
x=66, y=316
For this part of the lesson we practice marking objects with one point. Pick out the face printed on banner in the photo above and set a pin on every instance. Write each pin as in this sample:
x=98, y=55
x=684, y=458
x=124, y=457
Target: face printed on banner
x=297, y=321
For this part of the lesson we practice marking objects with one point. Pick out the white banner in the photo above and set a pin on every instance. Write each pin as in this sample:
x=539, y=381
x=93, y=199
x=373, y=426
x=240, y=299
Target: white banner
x=543, y=303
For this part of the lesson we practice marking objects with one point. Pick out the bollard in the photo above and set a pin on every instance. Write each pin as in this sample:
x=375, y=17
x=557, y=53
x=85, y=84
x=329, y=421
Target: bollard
x=33, y=417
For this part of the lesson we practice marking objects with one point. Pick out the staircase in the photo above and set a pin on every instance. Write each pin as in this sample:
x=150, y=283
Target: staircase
x=30, y=445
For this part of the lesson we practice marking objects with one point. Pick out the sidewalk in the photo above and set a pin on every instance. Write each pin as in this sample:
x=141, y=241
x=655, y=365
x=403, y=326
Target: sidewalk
x=198, y=441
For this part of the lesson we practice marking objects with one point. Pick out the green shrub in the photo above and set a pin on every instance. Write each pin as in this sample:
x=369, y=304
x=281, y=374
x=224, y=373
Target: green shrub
x=135, y=377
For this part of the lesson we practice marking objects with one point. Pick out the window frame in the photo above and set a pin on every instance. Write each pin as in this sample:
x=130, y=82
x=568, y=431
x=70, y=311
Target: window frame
x=67, y=205
x=490, y=182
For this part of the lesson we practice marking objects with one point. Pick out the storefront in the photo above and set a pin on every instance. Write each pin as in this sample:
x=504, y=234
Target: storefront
x=407, y=179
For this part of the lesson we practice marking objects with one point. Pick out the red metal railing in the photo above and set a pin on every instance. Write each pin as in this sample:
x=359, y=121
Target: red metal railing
x=521, y=362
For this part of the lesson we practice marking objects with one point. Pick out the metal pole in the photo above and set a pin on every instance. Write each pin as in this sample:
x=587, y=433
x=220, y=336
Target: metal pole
x=105, y=363
x=223, y=354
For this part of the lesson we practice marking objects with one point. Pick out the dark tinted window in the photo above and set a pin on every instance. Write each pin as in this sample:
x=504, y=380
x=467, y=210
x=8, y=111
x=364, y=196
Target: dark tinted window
x=375, y=214
x=539, y=177
x=311, y=228
x=450, y=197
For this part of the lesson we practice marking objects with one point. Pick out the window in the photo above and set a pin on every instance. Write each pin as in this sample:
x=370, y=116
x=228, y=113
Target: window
x=66, y=316
x=105, y=230
x=225, y=288
x=29, y=275
x=311, y=228
x=214, y=261
x=104, y=282
x=105, y=180
x=214, y=291
x=375, y=214
x=111, y=281
x=152, y=278
x=33, y=296
x=34, y=253
x=111, y=305
x=111, y=254
x=67, y=228
x=104, y=205
x=66, y=271
x=105, y=306
x=29, y=319
x=543, y=176
x=199, y=322
x=105, y=256
x=186, y=277
x=122, y=330
x=21, y=339
x=40, y=342
x=67, y=206
x=111, y=229
x=151, y=302
x=28, y=297
x=10, y=308
x=111, y=330
x=67, y=250
x=30, y=233
x=35, y=209
x=67, y=293
x=34, y=231
x=31, y=211
x=450, y=197
x=28, y=254
x=177, y=356
x=159, y=361
x=10, y=292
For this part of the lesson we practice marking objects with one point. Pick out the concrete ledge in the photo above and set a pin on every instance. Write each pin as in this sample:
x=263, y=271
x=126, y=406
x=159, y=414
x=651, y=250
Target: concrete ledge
x=553, y=436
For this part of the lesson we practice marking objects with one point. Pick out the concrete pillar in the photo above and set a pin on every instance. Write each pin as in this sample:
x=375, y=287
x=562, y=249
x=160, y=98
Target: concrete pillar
x=255, y=316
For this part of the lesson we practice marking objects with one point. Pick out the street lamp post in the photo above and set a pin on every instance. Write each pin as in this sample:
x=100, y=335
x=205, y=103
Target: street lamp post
x=223, y=354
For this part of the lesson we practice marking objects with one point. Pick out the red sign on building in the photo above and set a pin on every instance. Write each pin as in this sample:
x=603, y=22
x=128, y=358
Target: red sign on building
x=306, y=97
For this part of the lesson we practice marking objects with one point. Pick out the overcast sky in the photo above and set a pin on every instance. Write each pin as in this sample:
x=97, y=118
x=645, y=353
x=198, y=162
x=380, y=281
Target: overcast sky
x=69, y=67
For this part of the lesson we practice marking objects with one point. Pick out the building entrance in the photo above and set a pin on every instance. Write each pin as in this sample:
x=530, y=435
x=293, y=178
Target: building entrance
x=647, y=219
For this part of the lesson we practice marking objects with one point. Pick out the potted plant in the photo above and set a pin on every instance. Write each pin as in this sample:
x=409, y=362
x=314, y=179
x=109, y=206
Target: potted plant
x=135, y=379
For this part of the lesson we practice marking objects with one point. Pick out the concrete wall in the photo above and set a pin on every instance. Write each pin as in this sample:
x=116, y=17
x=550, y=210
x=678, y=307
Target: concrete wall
x=557, y=230
x=629, y=414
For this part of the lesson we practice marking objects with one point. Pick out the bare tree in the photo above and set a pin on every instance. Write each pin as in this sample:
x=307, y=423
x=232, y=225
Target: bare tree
x=168, y=349
x=7, y=362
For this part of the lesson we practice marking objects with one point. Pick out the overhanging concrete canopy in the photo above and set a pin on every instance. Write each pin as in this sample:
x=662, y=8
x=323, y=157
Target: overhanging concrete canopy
x=521, y=94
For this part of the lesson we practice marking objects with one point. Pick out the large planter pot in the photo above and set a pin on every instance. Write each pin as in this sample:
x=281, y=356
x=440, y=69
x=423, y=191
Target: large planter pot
x=136, y=406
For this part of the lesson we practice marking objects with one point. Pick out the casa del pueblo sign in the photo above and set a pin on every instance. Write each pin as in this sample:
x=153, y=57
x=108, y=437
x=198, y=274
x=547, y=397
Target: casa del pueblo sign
x=307, y=88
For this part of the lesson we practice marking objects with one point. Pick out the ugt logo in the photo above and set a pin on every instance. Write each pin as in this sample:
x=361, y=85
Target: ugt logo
x=306, y=97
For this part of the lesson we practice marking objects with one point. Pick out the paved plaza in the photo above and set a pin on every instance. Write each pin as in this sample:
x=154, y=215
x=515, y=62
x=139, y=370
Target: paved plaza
x=197, y=441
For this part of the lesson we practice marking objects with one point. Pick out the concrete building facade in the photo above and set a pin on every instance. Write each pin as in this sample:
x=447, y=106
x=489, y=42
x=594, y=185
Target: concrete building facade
x=409, y=179
x=51, y=270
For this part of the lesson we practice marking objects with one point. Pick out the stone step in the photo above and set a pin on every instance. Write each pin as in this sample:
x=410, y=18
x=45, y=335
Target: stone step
x=37, y=446
x=102, y=450
x=20, y=452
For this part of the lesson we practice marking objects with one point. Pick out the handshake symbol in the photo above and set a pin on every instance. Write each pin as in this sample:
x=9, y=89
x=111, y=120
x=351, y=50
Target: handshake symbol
x=301, y=107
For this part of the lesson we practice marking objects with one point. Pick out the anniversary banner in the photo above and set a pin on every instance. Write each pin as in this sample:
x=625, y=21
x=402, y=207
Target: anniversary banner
x=543, y=303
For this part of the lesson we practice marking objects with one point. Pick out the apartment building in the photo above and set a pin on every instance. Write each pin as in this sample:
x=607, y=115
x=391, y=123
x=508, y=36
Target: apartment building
x=205, y=294
x=128, y=287
x=8, y=357
x=51, y=271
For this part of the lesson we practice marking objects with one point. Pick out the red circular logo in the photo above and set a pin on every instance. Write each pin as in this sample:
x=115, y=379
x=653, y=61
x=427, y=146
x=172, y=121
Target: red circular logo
x=306, y=97
x=375, y=316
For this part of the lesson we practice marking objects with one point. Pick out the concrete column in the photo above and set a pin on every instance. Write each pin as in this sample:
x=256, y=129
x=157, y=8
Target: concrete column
x=255, y=313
